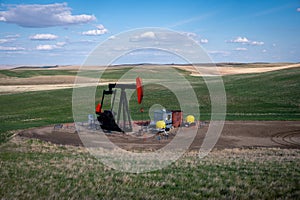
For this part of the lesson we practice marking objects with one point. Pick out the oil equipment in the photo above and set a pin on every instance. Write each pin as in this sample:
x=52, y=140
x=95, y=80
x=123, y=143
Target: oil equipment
x=163, y=120
x=166, y=119
x=107, y=119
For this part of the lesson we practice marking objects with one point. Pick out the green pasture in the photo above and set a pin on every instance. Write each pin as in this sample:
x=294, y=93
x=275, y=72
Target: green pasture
x=265, y=96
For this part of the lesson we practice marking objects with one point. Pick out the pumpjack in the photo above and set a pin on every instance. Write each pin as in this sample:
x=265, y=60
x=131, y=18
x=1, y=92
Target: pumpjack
x=107, y=119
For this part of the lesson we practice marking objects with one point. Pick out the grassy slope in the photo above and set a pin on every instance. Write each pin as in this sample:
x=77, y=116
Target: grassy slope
x=273, y=95
x=111, y=74
x=31, y=73
x=32, y=109
x=266, y=96
x=37, y=170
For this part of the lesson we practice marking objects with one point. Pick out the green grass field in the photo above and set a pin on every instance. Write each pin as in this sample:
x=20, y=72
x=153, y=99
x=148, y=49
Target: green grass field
x=265, y=96
x=31, y=169
x=31, y=73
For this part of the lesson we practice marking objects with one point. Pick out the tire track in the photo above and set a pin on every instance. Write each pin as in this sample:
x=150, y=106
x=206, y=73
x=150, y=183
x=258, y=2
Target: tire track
x=287, y=138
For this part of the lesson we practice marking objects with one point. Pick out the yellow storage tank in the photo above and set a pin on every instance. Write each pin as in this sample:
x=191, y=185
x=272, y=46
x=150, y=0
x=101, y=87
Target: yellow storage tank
x=190, y=119
x=160, y=124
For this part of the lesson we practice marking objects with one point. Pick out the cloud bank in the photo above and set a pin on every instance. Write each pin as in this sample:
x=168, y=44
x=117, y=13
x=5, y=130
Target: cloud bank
x=38, y=15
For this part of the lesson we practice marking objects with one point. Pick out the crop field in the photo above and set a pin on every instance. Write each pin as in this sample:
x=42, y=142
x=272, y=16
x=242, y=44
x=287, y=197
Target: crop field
x=32, y=168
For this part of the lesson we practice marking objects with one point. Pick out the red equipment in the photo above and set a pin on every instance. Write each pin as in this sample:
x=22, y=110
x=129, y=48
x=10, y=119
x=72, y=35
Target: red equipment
x=139, y=90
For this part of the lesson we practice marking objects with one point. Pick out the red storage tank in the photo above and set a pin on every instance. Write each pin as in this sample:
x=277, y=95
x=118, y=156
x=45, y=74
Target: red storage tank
x=177, y=117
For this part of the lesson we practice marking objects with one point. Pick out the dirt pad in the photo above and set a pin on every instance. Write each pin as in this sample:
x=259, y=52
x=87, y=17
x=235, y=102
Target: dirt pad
x=64, y=136
x=235, y=134
x=249, y=134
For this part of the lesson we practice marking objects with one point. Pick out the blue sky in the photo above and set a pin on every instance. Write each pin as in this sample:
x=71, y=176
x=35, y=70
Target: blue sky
x=65, y=32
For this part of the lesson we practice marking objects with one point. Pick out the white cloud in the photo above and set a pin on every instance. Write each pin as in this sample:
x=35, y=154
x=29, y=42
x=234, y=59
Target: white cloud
x=244, y=40
x=100, y=26
x=223, y=53
x=158, y=38
x=3, y=41
x=50, y=46
x=43, y=37
x=204, y=41
x=264, y=51
x=95, y=32
x=6, y=40
x=45, y=47
x=42, y=15
x=13, y=36
x=99, y=31
x=84, y=41
x=112, y=37
x=196, y=37
x=241, y=49
x=256, y=43
x=298, y=9
x=3, y=48
x=61, y=44
x=146, y=36
x=189, y=34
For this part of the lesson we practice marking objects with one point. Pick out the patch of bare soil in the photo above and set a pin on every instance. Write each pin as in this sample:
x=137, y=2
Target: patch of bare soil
x=36, y=83
x=66, y=136
x=10, y=85
x=235, y=134
x=9, y=89
x=231, y=70
x=58, y=79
